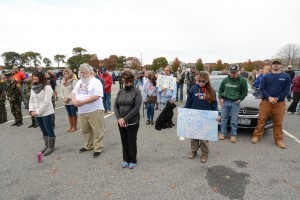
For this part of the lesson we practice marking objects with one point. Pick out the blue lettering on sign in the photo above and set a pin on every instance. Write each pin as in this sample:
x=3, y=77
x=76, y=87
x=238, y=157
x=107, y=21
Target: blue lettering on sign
x=194, y=122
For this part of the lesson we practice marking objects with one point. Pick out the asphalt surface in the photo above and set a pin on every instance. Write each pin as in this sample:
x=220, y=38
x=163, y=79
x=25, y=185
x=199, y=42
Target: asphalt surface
x=233, y=171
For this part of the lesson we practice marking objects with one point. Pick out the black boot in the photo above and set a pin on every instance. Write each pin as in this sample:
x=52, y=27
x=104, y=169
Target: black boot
x=14, y=124
x=3, y=121
x=32, y=122
x=20, y=123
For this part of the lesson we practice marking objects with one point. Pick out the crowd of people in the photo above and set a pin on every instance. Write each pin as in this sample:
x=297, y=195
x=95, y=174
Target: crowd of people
x=90, y=98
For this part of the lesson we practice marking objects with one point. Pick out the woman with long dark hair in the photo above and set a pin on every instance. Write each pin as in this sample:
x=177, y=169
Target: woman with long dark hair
x=150, y=93
x=40, y=106
x=201, y=96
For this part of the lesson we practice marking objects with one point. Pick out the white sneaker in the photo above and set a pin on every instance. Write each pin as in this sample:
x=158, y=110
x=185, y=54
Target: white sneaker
x=289, y=113
x=296, y=113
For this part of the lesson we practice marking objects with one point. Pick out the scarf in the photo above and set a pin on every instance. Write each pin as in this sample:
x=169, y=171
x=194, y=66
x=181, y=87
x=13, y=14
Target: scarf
x=67, y=82
x=37, y=88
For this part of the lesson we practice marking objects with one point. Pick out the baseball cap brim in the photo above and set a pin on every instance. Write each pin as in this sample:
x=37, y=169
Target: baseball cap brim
x=276, y=62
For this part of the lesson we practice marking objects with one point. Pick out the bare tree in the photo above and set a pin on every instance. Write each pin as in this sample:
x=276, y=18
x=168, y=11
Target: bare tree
x=290, y=54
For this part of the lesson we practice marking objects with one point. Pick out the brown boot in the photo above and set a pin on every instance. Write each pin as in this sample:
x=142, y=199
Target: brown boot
x=192, y=155
x=71, y=123
x=74, y=124
x=203, y=158
x=280, y=144
x=221, y=136
x=254, y=140
x=233, y=139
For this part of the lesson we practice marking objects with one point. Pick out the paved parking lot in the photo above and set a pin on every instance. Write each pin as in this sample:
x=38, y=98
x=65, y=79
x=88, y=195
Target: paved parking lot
x=233, y=171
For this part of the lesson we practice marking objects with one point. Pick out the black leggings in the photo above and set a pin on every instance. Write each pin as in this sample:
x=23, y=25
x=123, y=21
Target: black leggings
x=128, y=138
x=296, y=98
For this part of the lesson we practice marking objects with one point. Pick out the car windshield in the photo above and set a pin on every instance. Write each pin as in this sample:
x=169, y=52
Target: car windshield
x=116, y=73
x=216, y=82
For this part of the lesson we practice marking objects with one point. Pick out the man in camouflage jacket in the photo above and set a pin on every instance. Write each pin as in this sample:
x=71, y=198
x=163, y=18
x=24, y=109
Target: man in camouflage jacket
x=14, y=97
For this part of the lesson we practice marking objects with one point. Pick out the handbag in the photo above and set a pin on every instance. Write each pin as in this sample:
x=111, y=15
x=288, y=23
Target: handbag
x=151, y=99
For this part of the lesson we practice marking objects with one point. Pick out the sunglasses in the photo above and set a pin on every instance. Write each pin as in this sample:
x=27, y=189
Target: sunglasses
x=202, y=81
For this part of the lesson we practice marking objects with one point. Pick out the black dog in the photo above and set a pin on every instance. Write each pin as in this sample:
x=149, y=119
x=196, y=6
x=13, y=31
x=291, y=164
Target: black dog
x=164, y=120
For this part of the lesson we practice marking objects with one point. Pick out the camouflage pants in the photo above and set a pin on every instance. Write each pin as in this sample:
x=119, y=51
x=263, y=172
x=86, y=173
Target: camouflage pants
x=3, y=112
x=16, y=111
x=24, y=97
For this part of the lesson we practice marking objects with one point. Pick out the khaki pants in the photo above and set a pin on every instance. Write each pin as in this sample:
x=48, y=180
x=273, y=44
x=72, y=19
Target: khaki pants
x=265, y=109
x=202, y=144
x=92, y=126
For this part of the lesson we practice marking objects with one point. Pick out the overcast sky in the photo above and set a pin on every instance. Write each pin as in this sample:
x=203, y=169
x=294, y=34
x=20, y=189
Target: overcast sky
x=230, y=30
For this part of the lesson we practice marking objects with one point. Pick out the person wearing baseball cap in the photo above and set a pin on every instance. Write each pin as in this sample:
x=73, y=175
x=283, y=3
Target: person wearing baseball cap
x=232, y=91
x=274, y=87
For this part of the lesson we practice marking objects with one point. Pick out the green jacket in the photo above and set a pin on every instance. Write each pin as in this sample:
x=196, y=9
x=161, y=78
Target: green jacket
x=13, y=90
x=233, y=88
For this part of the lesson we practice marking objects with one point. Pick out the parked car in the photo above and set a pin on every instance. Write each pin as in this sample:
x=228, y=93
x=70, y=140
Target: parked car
x=297, y=73
x=213, y=73
x=116, y=76
x=248, y=115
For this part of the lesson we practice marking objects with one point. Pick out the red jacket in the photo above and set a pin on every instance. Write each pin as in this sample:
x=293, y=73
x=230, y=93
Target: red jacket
x=107, y=82
x=296, y=84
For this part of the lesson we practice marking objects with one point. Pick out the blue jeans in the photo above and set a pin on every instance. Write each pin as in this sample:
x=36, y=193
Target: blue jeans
x=298, y=108
x=150, y=111
x=46, y=125
x=230, y=107
x=180, y=88
x=136, y=83
x=106, y=101
x=71, y=110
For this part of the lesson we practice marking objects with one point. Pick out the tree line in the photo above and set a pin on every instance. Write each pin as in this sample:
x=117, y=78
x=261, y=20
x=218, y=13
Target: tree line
x=289, y=54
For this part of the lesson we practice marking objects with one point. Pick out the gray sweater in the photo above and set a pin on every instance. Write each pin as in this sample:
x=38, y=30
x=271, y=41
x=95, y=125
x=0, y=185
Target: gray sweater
x=127, y=105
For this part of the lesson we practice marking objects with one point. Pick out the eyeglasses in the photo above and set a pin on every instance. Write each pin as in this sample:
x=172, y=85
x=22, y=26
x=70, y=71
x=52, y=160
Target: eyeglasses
x=202, y=81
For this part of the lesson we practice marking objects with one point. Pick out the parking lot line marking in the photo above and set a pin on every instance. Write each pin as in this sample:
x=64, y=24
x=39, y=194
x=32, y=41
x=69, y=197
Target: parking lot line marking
x=30, y=116
x=291, y=136
x=57, y=109
x=106, y=116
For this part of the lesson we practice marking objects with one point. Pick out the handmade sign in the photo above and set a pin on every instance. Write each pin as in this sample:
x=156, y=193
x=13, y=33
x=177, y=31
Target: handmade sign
x=197, y=124
x=168, y=82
